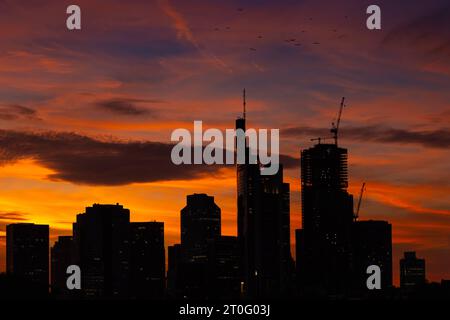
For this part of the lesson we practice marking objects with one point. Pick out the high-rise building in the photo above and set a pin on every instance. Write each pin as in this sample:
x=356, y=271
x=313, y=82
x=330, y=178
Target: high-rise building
x=248, y=206
x=27, y=254
x=200, y=222
x=412, y=271
x=101, y=237
x=217, y=276
x=174, y=281
x=224, y=276
x=263, y=215
x=372, y=245
x=62, y=256
x=273, y=252
x=324, y=252
x=147, y=260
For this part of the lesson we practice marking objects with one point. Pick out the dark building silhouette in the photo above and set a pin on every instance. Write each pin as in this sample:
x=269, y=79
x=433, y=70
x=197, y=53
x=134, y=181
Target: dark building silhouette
x=187, y=278
x=27, y=255
x=263, y=214
x=147, y=260
x=216, y=276
x=372, y=245
x=445, y=288
x=118, y=259
x=192, y=279
x=248, y=206
x=205, y=265
x=188, y=263
x=62, y=256
x=323, y=243
x=412, y=271
x=427, y=291
x=200, y=222
x=273, y=260
x=224, y=276
x=174, y=281
x=101, y=236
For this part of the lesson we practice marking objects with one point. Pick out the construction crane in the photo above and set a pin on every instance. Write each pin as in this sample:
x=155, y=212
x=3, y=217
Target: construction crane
x=356, y=214
x=335, y=125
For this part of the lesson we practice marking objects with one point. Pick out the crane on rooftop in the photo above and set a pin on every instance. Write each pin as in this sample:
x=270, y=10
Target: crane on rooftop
x=335, y=125
x=356, y=214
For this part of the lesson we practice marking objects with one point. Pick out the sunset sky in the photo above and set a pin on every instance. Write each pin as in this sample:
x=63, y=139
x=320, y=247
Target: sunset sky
x=86, y=116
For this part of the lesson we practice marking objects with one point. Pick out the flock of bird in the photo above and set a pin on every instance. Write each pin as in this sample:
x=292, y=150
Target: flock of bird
x=290, y=41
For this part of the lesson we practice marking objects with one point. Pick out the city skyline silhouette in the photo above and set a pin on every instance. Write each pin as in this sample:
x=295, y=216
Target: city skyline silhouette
x=86, y=115
x=121, y=259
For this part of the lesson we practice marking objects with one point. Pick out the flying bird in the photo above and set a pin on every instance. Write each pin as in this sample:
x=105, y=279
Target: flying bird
x=252, y=49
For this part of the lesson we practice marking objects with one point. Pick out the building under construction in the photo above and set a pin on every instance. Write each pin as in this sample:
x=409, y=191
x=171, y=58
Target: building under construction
x=327, y=257
x=323, y=244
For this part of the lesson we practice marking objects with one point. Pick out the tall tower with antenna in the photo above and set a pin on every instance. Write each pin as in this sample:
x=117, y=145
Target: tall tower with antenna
x=244, y=101
x=240, y=121
x=263, y=210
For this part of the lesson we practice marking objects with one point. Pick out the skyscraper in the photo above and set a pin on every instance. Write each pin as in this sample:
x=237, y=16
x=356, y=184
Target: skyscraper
x=372, y=245
x=27, y=254
x=188, y=262
x=62, y=256
x=200, y=222
x=263, y=214
x=224, y=277
x=412, y=271
x=324, y=252
x=248, y=206
x=101, y=236
x=147, y=260
x=174, y=281
x=273, y=251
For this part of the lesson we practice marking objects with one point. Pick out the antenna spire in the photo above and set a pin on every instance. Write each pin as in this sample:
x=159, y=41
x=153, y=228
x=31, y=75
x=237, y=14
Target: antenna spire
x=244, y=102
